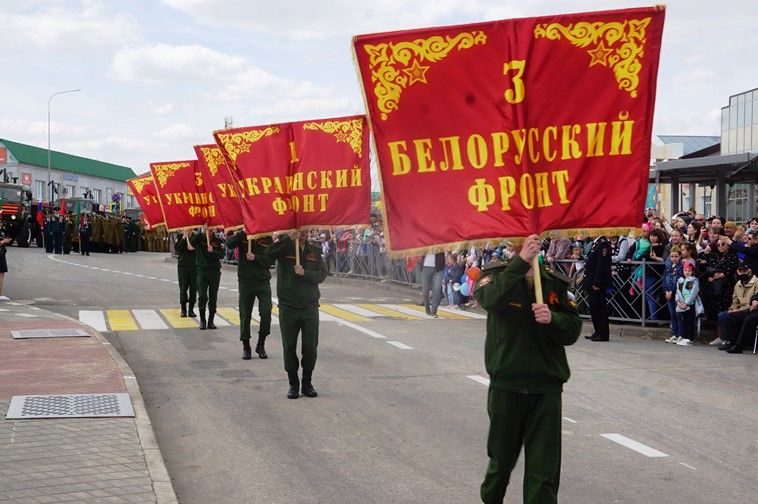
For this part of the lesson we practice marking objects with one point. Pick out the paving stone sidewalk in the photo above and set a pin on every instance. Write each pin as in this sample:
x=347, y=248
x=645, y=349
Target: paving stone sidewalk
x=78, y=460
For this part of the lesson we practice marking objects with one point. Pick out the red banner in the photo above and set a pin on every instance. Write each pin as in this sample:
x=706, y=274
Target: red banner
x=332, y=185
x=308, y=174
x=219, y=181
x=514, y=127
x=184, y=199
x=146, y=195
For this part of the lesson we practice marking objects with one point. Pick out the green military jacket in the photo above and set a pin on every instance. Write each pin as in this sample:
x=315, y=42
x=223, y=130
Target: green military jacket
x=521, y=355
x=187, y=258
x=294, y=290
x=254, y=271
x=204, y=260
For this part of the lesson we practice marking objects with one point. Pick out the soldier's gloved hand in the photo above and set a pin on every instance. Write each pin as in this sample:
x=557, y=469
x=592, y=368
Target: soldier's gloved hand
x=250, y=256
x=299, y=270
x=542, y=313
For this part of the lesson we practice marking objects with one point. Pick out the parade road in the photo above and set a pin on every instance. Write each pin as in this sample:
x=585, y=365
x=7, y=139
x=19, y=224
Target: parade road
x=401, y=412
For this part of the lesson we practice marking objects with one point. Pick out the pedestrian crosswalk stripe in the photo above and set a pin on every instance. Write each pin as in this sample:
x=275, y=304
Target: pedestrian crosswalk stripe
x=218, y=320
x=149, y=319
x=121, y=320
x=165, y=318
x=343, y=314
x=443, y=314
x=172, y=315
x=358, y=310
x=230, y=314
x=94, y=319
x=408, y=311
x=388, y=312
x=463, y=313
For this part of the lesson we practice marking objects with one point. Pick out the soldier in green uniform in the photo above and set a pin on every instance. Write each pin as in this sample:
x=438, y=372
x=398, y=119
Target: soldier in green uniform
x=298, y=293
x=187, y=273
x=208, y=262
x=254, y=279
x=525, y=358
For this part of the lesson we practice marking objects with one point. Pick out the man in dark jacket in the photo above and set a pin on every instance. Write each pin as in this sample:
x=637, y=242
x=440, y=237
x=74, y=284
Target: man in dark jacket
x=525, y=358
x=298, y=293
x=597, y=279
x=254, y=279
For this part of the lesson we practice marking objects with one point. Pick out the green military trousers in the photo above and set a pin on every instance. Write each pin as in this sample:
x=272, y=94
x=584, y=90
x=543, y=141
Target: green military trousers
x=187, y=285
x=248, y=294
x=293, y=321
x=207, y=286
x=531, y=420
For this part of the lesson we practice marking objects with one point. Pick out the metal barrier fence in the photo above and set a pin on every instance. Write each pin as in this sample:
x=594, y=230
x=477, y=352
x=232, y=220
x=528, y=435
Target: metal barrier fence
x=635, y=295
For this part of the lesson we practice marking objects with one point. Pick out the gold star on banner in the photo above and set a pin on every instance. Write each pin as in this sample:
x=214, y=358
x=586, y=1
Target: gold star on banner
x=342, y=137
x=417, y=73
x=599, y=54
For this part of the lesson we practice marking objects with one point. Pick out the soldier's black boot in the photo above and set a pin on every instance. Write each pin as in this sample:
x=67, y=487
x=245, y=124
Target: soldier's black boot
x=184, y=310
x=191, y=311
x=294, y=391
x=202, y=320
x=308, y=389
x=259, y=348
x=247, y=352
x=211, y=314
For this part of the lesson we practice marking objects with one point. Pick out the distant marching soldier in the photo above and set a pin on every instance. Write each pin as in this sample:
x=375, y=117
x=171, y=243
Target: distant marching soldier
x=57, y=232
x=187, y=273
x=298, y=293
x=209, y=257
x=597, y=279
x=254, y=279
x=85, y=233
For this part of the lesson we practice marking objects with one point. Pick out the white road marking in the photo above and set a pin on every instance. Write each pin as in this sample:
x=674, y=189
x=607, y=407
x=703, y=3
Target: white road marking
x=479, y=379
x=103, y=269
x=223, y=288
x=371, y=333
x=358, y=310
x=126, y=273
x=4, y=309
x=149, y=319
x=165, y=280
x=401, y=346
x=220, y=322
x=634, y=445
x=408, y=311
x=94, y=319
x=687, y=466
x=151, y=278
x=27, y=315
x=13, y=303
x=138, y=275
x=463, y=313
x=569, y=420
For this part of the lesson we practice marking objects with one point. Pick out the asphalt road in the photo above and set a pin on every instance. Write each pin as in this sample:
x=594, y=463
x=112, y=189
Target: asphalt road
x=404, y=425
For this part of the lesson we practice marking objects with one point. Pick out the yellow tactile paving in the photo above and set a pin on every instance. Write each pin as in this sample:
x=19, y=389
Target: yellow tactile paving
x=389, y=312
x=343, y=314
x=440, y=313
x=173, y=318
x=230, y=315
x=121, y=320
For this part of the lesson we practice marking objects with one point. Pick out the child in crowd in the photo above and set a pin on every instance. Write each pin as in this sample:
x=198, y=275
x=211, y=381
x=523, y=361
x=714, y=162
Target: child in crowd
x=576, y=266
x=687, y=290
x=671, y=275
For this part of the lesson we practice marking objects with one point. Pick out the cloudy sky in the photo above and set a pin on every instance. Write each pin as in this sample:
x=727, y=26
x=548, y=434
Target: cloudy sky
x=159, y=76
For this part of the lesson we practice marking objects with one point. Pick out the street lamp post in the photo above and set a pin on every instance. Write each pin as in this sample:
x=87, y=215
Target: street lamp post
x=49, y=101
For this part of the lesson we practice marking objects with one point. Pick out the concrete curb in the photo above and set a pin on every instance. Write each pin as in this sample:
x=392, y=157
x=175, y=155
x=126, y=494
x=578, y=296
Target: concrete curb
x=162, y=486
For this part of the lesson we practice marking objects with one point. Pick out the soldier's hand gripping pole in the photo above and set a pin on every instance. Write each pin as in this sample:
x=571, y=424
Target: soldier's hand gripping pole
x=297, y=251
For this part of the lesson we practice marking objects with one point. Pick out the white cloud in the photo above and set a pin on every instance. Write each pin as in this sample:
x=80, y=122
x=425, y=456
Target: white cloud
x=88, y=25
x=306, y=19
x=164, y=109
x=177, y=131
x=173, y=63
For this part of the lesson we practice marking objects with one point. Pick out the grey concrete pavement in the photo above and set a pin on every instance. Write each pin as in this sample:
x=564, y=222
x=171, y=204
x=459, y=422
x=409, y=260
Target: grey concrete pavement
x=396, y=424
x=78, y=460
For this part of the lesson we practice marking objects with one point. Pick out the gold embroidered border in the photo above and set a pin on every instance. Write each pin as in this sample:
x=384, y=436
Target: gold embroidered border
x=396, y=65
x=213, y=158
x=349, y=132
x=237, y=143
x=167, y=170
x=616, y=45
x=140, y=183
